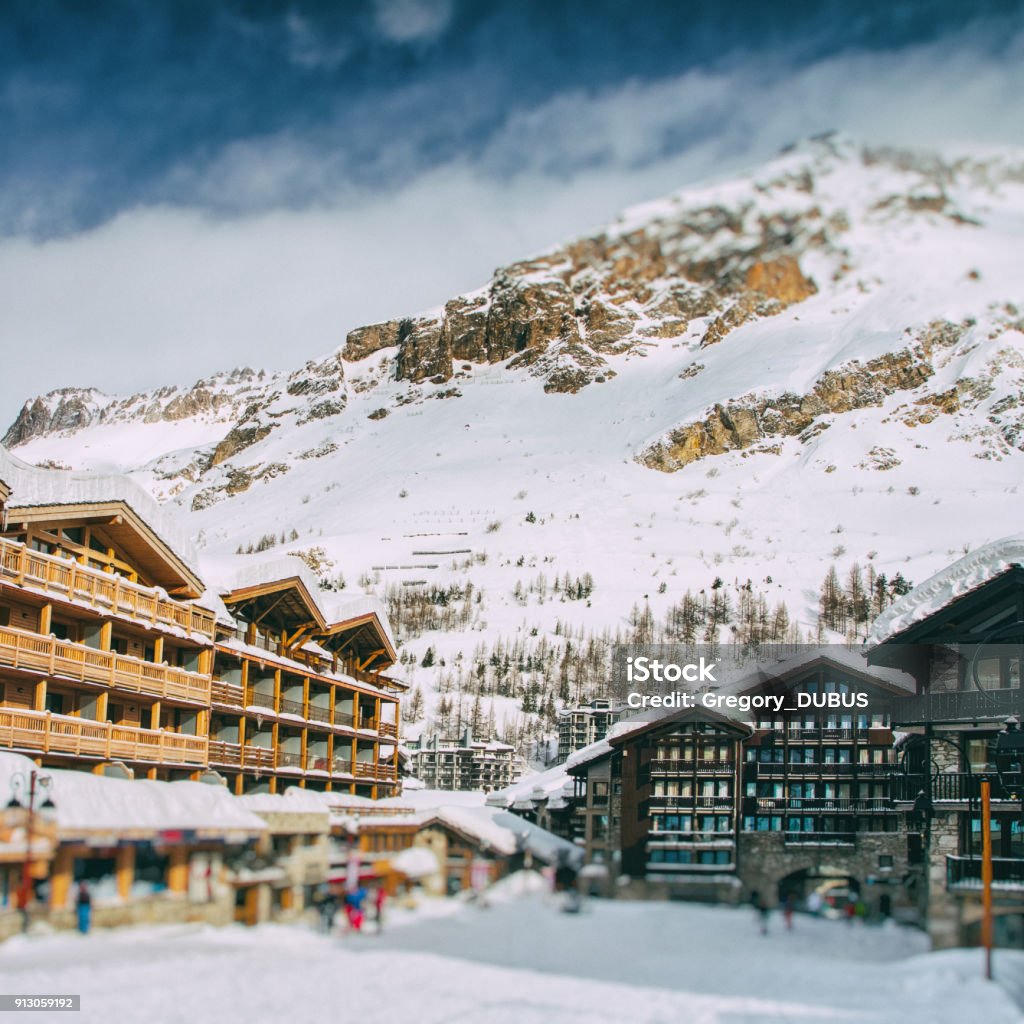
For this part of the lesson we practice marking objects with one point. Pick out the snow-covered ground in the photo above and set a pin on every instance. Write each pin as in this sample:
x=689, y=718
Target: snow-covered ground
x=519, y=960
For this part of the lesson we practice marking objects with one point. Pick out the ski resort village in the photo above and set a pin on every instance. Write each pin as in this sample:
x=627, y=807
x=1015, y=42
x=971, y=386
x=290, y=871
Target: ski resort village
x=308, y=706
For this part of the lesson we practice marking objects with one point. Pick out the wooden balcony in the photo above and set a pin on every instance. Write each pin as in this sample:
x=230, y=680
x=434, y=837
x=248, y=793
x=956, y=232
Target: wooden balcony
x=227, y=695
x=62, y=658
x=388, y=729
x=66, y=579
x=234, y=755
x=368, y=770
x=43, y=732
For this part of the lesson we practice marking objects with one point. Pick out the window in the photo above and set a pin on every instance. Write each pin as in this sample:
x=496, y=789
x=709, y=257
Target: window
x=885, y=860
x=599, y=794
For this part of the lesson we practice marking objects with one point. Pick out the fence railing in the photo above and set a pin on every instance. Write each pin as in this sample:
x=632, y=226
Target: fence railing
x=46, y=654
x=45, y=732
x=68, y=579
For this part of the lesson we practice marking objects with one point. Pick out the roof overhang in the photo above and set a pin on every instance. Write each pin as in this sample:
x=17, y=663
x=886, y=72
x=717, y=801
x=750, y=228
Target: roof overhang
x=364, y=636
x=285, y=604
x=160, y=562
x=966, y=619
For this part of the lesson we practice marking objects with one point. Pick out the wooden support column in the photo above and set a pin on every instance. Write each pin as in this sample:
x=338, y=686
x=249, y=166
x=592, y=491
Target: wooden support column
x=101, y=706
x=61, y=874
x=177, y=870
x=154, y=715
x=46, y=619
x=277, y=690
x=245, y=681
x=106, y=635
x=158, y=649
x=125, y=868
x=39, y=701
x=305, y=696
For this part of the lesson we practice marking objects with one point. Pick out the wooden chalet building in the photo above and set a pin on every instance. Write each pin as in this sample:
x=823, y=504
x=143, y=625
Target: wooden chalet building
x=961, y=635
x=114, y=655
x=105, y=654
x=298, y=698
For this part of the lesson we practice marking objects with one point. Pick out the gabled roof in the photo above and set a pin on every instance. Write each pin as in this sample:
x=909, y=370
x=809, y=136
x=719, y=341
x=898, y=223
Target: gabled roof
x=767, y=676
x=934, y=599
x=284, y=603
x=149, y=534
x=364, y=635
x=695, y=715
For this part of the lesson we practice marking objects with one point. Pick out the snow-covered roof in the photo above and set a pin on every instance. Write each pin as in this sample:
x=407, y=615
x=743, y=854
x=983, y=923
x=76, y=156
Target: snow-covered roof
x=963, y=576
x=88, y=804
x=553, y=783
x=31, y=486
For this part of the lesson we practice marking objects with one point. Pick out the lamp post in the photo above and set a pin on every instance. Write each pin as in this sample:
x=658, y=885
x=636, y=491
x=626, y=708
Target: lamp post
x=28, y=784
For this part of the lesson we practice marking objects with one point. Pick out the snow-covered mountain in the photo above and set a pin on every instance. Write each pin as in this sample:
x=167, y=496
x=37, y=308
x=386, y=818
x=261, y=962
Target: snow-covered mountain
x=818, y=363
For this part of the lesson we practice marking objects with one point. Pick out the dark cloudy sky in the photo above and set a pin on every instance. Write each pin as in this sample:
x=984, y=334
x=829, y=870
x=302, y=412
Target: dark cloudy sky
x=189, y=185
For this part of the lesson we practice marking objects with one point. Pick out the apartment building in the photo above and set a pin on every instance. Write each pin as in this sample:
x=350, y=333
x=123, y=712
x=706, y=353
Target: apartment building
x=584, y=724
x=464, y=763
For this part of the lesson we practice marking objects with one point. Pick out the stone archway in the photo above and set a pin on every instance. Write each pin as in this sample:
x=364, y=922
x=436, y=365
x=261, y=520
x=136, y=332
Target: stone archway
x=834, y=884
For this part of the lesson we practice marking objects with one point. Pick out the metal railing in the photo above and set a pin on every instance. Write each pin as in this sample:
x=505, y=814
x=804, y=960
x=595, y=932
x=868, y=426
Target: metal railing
x=966, y=871
x=956, y=786
x=661, y=764
x=958, y=706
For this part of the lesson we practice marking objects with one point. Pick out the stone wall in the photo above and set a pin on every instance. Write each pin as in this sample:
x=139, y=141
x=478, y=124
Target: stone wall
x=764, y=860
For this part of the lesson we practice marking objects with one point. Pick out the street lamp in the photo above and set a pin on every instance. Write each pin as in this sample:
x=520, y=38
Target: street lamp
x=29, y=783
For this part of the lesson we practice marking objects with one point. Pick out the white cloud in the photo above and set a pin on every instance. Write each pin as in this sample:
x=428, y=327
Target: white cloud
x=164, y=294
x=407, y=21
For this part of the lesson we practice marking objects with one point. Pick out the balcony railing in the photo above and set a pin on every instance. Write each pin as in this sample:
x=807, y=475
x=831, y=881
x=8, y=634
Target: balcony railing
x=965, y=872
x=53, y=657
x=292, y=707
x=778, y=769
x=368, y=770
x=234, y=755
x=106, y=592
x=826, y=805
x=228, y=695
x=671, y=765
x=41, y=731
x=958, y=706
x=316, y=713
x=722, y=802
x=388, y=729
x=956, y=786
x=289, y=759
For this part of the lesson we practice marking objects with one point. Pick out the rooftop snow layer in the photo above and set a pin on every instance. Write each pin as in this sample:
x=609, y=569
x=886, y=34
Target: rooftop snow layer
x=32, y=486
x=963, y=576
x=87, y=803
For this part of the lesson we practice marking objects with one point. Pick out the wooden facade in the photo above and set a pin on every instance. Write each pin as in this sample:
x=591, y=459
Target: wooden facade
x=107, y=656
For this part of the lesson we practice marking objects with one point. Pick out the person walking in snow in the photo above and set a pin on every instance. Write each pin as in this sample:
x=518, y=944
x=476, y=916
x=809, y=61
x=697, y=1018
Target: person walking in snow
x=83, y=907
x=787, y=910
x=760, y=905
x=379, y=896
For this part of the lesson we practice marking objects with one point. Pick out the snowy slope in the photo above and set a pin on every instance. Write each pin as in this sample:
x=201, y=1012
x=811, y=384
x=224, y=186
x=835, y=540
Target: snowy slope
x=862, y=405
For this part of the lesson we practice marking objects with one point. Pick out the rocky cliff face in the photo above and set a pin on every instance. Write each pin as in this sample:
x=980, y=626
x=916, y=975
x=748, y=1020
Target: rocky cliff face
x=604, y=295
x=716, y=286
